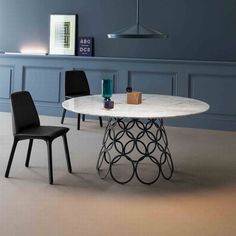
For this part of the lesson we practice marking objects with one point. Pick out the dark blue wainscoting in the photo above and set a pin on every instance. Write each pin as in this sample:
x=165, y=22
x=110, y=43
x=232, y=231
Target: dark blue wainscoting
x=43, y=76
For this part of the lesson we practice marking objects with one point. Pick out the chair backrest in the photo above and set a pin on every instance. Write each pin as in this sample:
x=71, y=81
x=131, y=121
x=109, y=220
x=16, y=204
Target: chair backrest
x=24, y=113
x=76, y=83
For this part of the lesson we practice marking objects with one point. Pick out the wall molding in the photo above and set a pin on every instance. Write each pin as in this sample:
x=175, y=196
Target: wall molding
x=43, y=82
x=6, y=81
x=163, y=76
x=218, y=89
x=213, y=82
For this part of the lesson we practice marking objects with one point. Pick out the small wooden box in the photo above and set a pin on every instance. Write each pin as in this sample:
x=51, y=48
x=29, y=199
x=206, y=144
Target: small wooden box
x=134, y=98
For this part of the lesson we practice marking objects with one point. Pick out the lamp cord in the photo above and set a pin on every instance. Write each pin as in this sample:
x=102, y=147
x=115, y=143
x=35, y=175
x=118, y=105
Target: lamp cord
x=137, y=16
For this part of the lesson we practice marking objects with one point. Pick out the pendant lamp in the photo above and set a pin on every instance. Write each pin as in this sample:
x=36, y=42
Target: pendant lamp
x=137, y=31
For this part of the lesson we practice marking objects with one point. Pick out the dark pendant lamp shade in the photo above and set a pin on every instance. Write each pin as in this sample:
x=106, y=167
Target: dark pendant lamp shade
x=137, y=31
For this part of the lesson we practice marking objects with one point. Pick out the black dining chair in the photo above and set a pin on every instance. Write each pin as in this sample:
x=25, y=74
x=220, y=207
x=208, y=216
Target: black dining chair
x=76, y=85
x=26, y=125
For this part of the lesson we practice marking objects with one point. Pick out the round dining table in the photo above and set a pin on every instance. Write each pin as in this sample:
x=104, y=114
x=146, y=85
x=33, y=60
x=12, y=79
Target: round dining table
x=136, y=134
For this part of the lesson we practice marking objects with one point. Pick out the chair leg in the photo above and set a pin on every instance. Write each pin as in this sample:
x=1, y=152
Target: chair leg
x=100, y=120
x=29, y=153
x=78, y=122
x=11, y=157
x=83, y=118
x=50, y=170
x=67, y=153
x=63, y=116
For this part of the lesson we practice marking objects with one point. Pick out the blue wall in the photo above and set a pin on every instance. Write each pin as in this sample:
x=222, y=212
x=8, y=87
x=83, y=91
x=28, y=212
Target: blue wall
x=202, y=30
x=199, y=30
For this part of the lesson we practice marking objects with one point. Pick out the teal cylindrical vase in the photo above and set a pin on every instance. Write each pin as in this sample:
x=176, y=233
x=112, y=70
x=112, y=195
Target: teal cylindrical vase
x=107, y=88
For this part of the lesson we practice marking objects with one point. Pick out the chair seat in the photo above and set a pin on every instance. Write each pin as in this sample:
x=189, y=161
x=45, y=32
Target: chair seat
x=43, y=132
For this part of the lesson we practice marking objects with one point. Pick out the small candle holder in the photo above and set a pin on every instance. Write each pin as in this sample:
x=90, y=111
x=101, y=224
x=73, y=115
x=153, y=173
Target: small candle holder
x=108, y=104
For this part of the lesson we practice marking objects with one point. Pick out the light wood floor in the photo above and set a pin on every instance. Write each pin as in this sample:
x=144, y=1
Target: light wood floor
x=199, y=200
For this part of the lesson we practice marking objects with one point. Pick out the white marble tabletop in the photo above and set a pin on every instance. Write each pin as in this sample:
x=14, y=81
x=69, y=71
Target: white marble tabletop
x=153, y=106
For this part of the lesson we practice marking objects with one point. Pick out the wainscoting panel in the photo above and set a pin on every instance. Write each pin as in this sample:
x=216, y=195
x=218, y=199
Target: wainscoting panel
x=43, y=83
x=217, y=90
x=153, y=82
x=212, y=82
x=95, y=77
x=5, y=81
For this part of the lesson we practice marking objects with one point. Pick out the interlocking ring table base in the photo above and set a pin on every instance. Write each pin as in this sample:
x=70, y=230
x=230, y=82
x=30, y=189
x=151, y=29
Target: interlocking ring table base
x=150, y=142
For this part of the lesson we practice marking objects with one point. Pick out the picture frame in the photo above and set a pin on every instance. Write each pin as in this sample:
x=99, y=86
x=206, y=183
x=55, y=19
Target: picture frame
x=63, y=32
x=86, y=46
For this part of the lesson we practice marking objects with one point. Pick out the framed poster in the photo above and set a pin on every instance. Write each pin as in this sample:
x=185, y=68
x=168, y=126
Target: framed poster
x=63, y=34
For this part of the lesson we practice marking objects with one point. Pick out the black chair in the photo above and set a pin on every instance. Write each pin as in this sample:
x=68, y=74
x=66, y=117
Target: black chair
x=76, y=85
x=26, y=125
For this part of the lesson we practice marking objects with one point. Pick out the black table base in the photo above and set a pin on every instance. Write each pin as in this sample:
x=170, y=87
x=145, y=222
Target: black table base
x=147, y=141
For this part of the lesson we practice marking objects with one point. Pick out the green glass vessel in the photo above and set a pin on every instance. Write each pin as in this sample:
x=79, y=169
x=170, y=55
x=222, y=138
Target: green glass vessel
x=107, y=88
